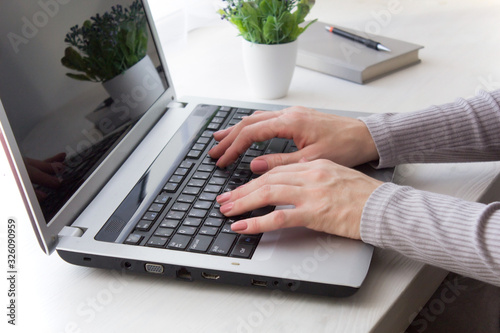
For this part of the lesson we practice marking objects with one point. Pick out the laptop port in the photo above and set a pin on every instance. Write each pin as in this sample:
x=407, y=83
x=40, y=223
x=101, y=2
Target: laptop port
x=154, y=268
x=210, y=276
x=259, y=283
x=184, y=274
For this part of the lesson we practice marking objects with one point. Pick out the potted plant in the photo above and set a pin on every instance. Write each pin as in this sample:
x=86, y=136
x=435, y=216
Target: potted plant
x=270, y=29
x=112, y=49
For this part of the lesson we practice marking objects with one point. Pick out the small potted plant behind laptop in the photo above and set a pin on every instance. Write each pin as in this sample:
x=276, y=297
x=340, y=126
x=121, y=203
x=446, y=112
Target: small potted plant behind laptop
x=112, y=48
x=270, y=29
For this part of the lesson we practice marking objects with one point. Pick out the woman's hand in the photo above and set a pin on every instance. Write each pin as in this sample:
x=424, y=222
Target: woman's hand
x=327, y=197
x=317, y=135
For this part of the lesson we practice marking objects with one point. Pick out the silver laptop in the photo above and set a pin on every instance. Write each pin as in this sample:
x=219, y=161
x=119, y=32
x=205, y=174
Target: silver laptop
x=116, y=175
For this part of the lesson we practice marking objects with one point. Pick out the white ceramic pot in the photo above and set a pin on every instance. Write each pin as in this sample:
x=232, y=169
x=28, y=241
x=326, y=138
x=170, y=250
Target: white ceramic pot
x=136, y=89
x=269, y=68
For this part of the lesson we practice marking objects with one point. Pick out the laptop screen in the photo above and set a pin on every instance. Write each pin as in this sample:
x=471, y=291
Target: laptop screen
x=76, y=76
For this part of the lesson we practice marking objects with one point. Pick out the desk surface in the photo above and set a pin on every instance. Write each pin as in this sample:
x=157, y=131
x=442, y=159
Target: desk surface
x=460, y=57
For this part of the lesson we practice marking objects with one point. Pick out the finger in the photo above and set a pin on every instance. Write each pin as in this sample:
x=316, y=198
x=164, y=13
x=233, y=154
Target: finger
x=278, y=219
x=268, y=195
x=278, y=176
x=265, y=163
x=228, y=136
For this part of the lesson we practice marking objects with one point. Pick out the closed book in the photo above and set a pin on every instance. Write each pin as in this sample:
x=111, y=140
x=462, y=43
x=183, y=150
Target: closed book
x=323, y=51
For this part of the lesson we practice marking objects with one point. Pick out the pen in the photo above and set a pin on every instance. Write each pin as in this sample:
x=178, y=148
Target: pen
x=368, y=42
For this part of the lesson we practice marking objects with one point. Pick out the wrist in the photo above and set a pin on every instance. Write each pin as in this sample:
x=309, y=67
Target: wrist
x=367, y=149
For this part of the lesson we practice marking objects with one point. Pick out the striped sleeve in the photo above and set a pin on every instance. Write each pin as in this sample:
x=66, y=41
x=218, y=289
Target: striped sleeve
x=460, y=236
x=464, y=131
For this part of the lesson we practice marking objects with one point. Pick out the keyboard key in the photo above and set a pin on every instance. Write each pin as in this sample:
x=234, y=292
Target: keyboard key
x=179, y=242
x=163, y=198
x=167, y=223
x=181, y=207
x=198, y=146
x=164, y=232
x=155, y=207
x=133, y=239
x=186, y=198
x=201, y=175
x=192, y=222
x=213, y=188
x=213, y=222
x=218, y=120
x=253, y=152
x=210, y=161
x=222, y=244
x=207, y=134
x=171, y=187
x=197, y=213
x=202, y=205
x=211, y=231
x=181, y=171
x=213, y=126
x=246, y=112
x=206, y=168
x=150, y=216
x=200, y=243
x=190, y=190
x=242, y=251
x=248, y=240
x=208, y=196
x=185, y=230
x=217, y=181
x=276, y=146
x=203, y=141
x=186, y=164
x=194, y=153
x=175, y=215
x=157, y=241
x=222, y=173
x=242, y=174
x=176, y=179
x=196, y=182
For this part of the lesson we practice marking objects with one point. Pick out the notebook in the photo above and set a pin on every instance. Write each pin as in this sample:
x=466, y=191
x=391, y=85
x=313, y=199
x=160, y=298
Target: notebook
x=131, y=187
x=322, y=51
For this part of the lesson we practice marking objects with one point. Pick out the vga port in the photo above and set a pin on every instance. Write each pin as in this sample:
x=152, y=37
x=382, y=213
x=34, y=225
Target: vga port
x=154, y=268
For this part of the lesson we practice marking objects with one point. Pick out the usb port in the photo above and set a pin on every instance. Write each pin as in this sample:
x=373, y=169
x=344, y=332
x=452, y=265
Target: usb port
x=259, y=283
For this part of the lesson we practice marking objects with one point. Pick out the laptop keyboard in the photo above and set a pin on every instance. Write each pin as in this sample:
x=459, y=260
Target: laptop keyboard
x=185, y=215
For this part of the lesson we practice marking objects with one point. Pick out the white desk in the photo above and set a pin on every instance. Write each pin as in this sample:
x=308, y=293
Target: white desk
x=460, y=56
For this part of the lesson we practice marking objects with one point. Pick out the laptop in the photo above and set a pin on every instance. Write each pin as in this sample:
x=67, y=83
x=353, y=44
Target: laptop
x=130, y=185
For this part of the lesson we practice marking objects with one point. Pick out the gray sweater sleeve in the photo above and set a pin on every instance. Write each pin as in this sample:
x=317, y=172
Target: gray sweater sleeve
x=460, y=236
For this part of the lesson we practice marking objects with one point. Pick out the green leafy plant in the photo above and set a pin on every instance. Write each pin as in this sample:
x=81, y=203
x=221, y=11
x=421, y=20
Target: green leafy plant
x=268, y=21
x=107, y=45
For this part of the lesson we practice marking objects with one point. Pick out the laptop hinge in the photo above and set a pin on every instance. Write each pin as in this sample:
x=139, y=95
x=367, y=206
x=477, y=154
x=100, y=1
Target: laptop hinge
x=175, y=104
x=71, y=232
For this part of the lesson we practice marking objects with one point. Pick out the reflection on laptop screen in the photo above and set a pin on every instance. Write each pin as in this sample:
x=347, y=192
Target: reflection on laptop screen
x=75, y=77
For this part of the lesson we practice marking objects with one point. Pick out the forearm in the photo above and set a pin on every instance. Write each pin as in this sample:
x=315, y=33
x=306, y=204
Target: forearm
x=467, y=130
x=459, y=236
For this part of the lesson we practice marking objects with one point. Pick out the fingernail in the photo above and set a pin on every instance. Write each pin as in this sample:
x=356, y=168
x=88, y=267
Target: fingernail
x=239, y=226
x=224, y=197
x=259, y=166
x=226, y=208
